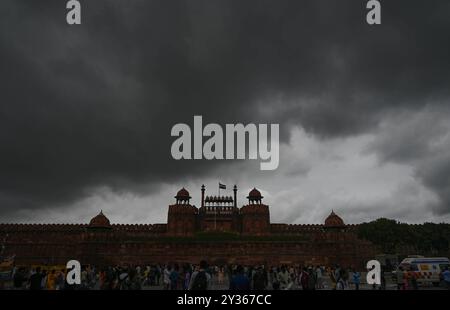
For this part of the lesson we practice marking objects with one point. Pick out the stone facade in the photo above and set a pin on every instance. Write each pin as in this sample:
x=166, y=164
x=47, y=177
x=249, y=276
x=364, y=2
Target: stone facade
x=218, y=231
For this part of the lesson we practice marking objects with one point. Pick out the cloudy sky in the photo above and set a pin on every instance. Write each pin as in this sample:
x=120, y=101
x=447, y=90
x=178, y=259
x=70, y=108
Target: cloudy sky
x=86, y=111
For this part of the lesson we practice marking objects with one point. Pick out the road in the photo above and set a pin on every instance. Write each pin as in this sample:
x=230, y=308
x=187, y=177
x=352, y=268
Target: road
x=215, y=285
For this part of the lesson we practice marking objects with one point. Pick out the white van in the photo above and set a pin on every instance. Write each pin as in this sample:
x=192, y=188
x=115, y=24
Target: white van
x=426, y=269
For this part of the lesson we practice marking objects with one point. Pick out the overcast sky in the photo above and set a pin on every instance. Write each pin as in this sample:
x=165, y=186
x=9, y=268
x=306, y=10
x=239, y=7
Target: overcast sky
x=86, y=111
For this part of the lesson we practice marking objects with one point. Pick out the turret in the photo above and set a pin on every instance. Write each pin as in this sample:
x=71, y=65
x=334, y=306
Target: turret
x=255, y=216
x=203, y=196
x=181, y=218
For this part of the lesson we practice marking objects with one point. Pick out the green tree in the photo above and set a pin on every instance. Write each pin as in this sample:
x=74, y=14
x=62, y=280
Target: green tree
x=390, y=236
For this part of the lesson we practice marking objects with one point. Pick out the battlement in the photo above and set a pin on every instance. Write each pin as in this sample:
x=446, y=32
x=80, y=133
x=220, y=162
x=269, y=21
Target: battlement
x=41, y=227
x=295, y=228
x=219, y=200
x=182, y=209
x=254, y=208
x=150, y=228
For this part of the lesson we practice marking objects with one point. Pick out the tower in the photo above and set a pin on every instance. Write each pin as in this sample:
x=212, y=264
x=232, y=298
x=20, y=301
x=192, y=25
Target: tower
x=255, y=215
x=181, y=218
x=218, y=213
x=183, y=197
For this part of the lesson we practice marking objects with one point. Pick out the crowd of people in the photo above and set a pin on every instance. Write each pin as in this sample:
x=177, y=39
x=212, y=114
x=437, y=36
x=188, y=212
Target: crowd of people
x=188, y=277
x=203, y=276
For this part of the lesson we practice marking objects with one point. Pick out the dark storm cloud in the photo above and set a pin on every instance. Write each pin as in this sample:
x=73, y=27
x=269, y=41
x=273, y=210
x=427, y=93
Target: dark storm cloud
x=420, y=138
x=435, y=175
x=92, y=105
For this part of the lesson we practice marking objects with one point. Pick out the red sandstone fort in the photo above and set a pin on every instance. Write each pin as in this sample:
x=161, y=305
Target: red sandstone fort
x=219, y=231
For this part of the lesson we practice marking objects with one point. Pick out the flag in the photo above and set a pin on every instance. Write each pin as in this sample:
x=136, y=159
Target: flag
x=222, y=186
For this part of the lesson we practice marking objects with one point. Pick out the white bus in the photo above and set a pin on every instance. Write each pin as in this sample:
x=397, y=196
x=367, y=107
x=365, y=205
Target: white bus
x=426, y=269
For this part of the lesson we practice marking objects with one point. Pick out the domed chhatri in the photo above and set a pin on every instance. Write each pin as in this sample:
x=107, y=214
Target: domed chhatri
x=254, y=196
x=182, y=196
x=334, y=220
x=100, y=221
x=183, y=193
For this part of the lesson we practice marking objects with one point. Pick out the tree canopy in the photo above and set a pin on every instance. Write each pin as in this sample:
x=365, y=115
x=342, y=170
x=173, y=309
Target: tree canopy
x=392, y=236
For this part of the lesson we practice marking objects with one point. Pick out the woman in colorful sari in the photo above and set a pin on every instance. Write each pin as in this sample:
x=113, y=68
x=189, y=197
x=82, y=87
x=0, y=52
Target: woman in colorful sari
x=51, y=281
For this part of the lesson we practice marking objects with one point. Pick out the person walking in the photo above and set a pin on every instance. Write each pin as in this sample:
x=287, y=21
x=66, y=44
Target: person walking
x=174, y=277
x=356, y=279
x=332, y=274
x=186, y=276
x=337, y=276
x=221, y=276
x=274, y=279
x=200, y=279
x=60, y=280
x=399, y=276
x=166, y=277
x=446, y=278
x=283, y=278
x=319, y=277
x=304, y=279
x=260, y=279
x=312, y=279
x=36, y=280
x=19, y=278
x=51, y=281
x=240, y=281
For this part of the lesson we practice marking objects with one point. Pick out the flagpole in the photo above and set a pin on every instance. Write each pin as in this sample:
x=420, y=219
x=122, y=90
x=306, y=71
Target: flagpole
x=215, y=209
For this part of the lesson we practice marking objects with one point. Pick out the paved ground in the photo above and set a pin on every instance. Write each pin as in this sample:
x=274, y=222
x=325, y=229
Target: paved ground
x=327, y=286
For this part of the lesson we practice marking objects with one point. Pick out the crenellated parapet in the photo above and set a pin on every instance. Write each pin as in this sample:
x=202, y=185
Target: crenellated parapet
x=295, y=228
x=26, y=227
x=145, y=228
x=254, y=209
x=183, y=209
